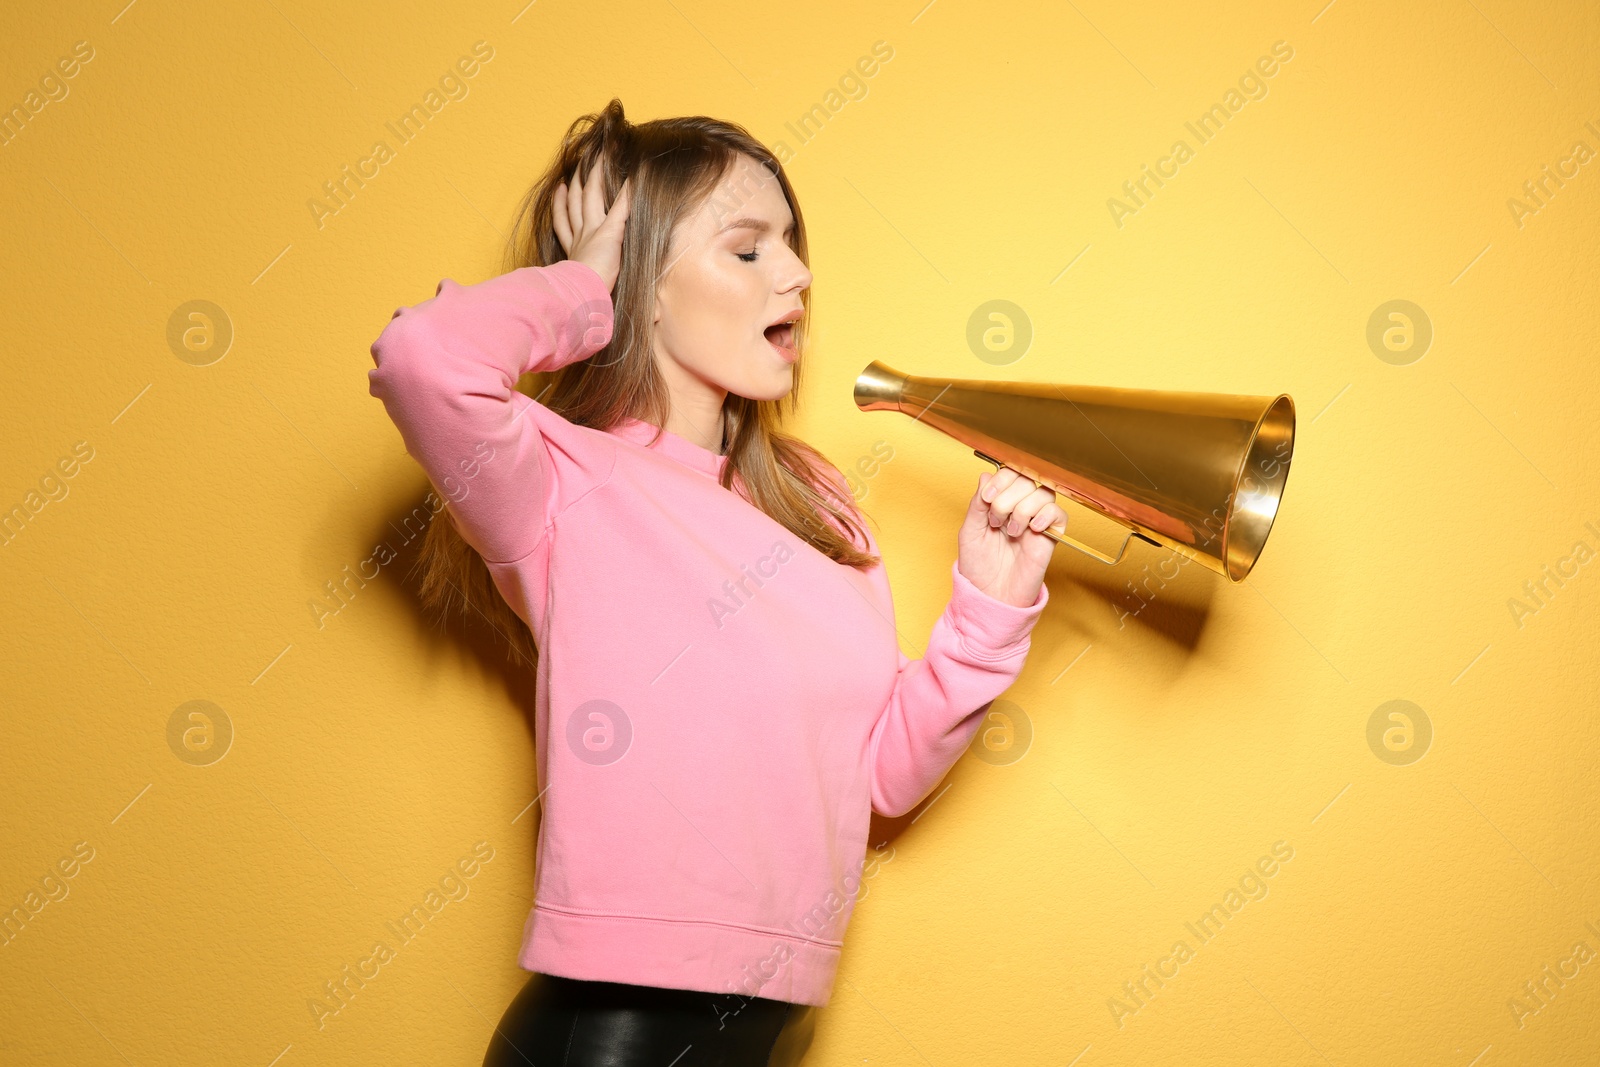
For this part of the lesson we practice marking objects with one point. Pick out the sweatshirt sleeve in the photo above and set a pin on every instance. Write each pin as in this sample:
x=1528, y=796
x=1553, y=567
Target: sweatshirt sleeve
x=446, y=371
x=975, y=652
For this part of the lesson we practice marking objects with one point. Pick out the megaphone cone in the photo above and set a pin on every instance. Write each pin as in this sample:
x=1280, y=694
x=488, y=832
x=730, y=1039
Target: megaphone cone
x=1200, y=473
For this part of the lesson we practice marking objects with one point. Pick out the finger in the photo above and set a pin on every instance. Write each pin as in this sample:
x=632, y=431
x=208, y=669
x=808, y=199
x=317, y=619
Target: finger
x=594, y=195
x=559, y=211
x=1005, y=501
x=1021, y=518
x=1048, y=516
x=575, y=205
x=1027, y=511
x=998, y=480
x=977, y=506
x=618, y=216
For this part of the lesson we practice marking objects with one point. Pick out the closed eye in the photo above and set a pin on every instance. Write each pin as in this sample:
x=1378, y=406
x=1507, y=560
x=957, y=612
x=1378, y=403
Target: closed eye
x=748, y=257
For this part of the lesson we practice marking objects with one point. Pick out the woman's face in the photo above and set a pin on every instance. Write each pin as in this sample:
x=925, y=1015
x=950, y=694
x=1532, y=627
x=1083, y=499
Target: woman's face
x=730, y=275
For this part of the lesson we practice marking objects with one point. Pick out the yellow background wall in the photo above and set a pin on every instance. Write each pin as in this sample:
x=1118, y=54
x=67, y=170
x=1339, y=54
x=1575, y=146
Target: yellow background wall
x=1165, y=735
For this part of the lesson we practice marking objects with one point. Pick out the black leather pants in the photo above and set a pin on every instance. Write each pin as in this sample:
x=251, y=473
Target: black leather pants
x=566, y=1022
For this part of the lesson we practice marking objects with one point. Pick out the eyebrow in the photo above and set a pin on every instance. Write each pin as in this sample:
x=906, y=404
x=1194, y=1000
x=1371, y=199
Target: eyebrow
x=745, y=222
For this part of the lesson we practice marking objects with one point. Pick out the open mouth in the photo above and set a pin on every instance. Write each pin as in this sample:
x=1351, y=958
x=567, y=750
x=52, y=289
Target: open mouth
x=781, y=336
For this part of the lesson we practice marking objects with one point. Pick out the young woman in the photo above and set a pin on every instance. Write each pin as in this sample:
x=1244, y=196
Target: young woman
x=721, y=700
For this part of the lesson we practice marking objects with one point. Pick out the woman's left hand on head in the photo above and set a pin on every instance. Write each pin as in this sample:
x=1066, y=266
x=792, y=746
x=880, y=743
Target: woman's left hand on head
x=1002, y=547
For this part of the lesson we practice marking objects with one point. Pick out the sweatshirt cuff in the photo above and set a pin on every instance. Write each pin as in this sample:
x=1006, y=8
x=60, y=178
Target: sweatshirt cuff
x=991, y=628
x=589, y=322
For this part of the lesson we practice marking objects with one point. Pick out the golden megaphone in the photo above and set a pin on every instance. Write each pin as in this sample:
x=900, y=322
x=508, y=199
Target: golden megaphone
x=1201, y=473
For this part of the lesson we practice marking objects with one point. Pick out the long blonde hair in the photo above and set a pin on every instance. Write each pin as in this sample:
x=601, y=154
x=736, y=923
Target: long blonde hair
x=675, y=164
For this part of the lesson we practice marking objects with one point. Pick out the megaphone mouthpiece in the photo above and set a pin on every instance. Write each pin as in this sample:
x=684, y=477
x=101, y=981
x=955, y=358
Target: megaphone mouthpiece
x=879, y=388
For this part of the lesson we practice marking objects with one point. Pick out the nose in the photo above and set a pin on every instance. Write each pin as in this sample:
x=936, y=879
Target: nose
x=795, y=276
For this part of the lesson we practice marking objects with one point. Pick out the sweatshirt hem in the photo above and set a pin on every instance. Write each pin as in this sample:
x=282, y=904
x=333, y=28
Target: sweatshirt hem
x=704, y=955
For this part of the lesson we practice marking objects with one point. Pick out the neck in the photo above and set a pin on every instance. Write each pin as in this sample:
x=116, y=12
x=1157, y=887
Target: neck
x=703, y=428
x=696, y=407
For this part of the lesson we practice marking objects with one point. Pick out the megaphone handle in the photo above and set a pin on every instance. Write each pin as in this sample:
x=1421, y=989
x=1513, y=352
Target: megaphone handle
x=1086, y=549
x=1058, y=533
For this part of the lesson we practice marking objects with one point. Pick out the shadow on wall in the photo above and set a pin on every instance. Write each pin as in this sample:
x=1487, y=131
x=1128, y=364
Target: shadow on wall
x=393, y=562
x=1152, y=590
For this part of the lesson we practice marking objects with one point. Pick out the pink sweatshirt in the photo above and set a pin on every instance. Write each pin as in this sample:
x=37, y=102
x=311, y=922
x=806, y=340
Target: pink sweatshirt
x=718, y=704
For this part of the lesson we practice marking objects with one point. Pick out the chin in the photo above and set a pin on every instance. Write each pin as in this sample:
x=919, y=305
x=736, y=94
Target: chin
x=771, y=390
x=763, y=383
